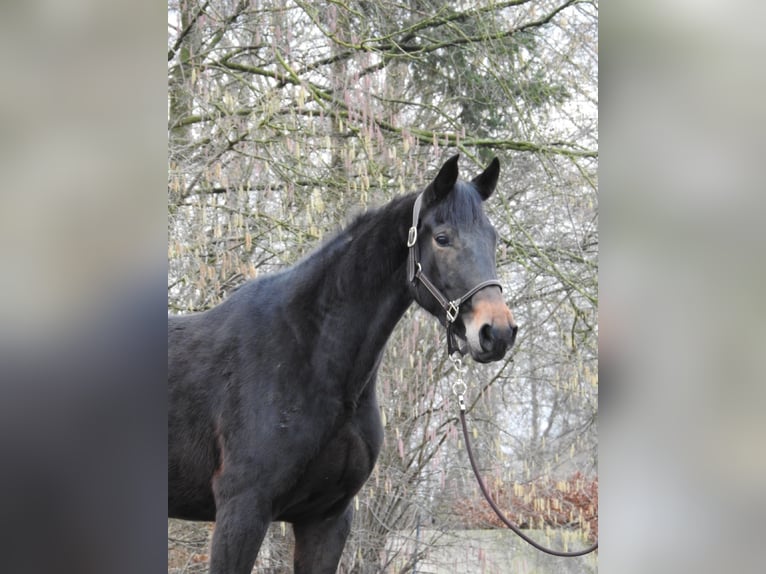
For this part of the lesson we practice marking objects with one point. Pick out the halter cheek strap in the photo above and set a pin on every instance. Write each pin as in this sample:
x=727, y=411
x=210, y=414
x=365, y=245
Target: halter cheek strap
x=415, y=272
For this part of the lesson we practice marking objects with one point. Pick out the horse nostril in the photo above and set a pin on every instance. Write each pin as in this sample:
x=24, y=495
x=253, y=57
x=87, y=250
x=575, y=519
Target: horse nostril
x=486, y=338
x=492, y=339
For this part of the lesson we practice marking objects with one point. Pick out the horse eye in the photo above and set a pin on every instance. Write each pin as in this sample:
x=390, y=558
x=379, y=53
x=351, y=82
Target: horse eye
x=442, y=240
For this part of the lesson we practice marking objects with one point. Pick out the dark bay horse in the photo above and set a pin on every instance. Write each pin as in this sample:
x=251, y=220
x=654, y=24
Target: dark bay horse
x=272, y=407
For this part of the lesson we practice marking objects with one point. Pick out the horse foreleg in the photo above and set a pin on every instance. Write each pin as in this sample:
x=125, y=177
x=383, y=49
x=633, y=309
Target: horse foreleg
x=240, y=526
x=319, y=545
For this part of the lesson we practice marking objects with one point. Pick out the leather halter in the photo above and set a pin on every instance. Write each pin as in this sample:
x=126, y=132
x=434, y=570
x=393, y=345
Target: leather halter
x=415, y=271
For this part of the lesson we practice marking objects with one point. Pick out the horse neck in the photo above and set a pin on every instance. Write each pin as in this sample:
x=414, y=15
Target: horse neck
x=363, y=292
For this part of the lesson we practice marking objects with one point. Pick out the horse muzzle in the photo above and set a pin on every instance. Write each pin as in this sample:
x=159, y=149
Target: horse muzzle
x=490, y=329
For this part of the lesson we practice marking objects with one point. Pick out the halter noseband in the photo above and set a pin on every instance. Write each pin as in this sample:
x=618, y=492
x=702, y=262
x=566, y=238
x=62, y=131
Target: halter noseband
x=415, y=271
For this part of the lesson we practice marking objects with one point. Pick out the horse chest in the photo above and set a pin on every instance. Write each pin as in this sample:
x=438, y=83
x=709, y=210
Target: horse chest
x=340, y=467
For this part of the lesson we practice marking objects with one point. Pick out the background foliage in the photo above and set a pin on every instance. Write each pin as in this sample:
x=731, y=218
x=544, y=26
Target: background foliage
x=288, y=117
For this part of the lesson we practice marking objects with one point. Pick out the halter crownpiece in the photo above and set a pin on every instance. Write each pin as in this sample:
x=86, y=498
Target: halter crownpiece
x=415, y=272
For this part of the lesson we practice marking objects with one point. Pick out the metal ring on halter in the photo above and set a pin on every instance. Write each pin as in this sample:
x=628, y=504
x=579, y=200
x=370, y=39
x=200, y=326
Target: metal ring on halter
x=412, y=236
x=457, y=362
x=459, y=388
x=453, y=310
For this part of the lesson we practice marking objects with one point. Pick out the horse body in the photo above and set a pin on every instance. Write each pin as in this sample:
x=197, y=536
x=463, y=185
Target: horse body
x=272, y=406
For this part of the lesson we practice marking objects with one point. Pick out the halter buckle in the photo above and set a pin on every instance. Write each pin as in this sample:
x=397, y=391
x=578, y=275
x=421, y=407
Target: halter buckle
x=453, y=310
x=412, y=236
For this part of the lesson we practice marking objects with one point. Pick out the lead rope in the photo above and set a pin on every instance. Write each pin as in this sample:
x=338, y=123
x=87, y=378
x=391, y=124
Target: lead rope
x=459, y=388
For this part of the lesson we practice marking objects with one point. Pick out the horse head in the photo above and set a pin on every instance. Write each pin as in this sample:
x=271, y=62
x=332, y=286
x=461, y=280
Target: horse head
x=453, y=250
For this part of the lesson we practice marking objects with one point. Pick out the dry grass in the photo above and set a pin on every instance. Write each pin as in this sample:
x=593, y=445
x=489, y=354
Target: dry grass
x=188, y=546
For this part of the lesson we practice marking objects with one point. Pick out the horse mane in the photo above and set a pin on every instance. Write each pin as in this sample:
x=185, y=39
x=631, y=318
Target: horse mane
x=368, y=251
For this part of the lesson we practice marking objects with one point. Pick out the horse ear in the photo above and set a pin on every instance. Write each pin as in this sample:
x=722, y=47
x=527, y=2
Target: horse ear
x=446, y=178
x=486, y=181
